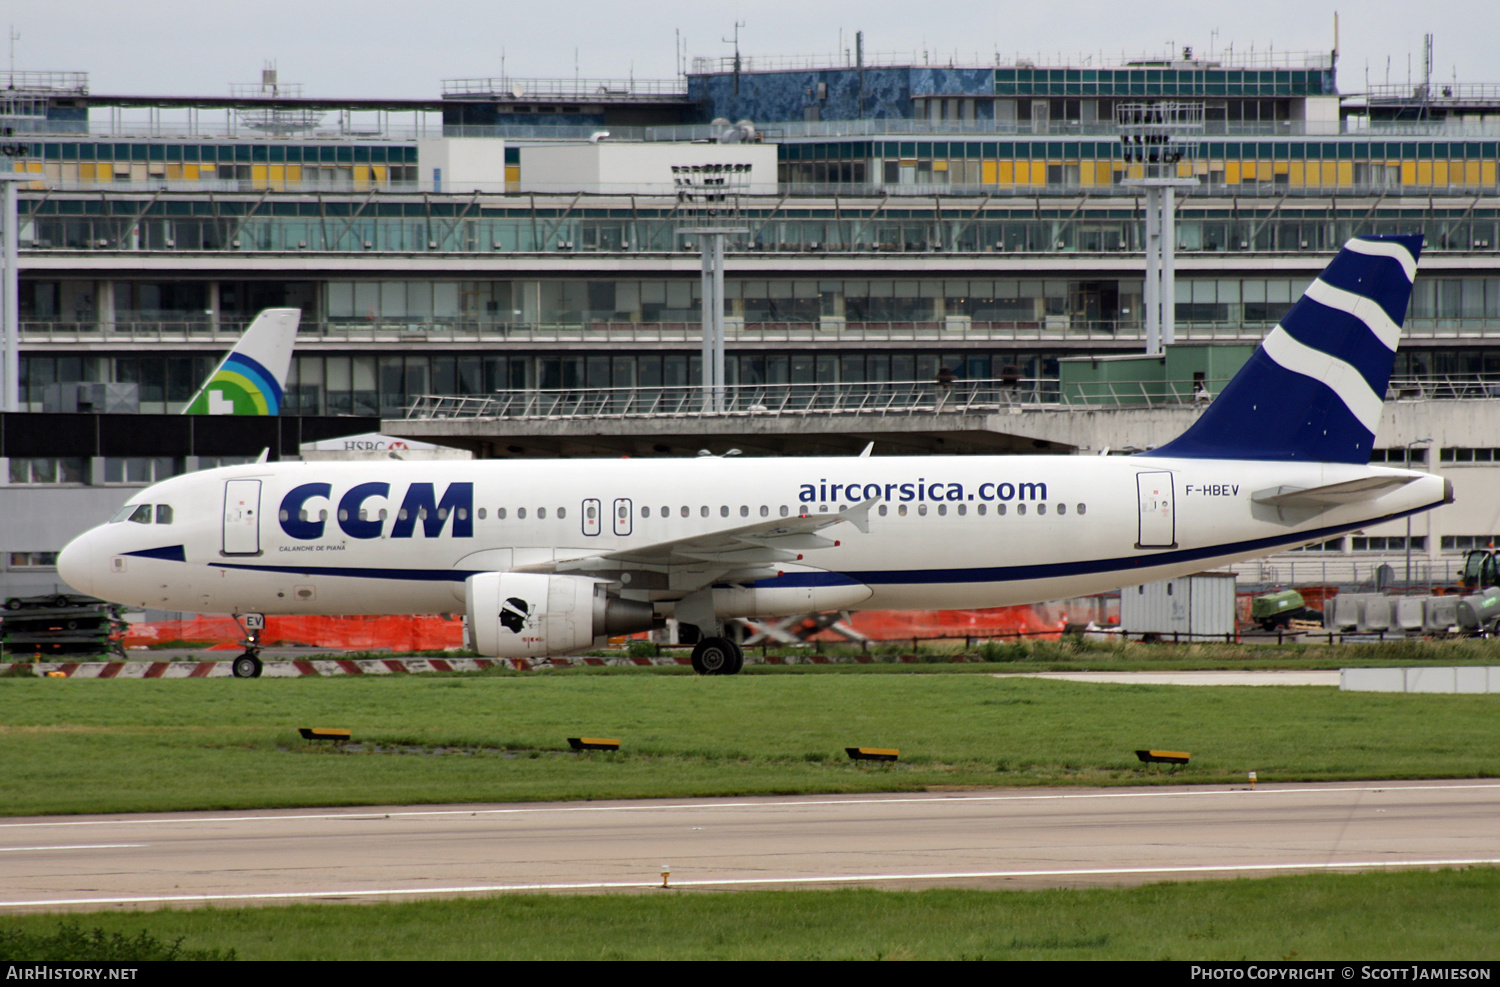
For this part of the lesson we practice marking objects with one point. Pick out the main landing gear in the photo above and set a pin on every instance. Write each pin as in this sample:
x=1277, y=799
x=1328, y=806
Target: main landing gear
x=248, y=665
x=717, y=656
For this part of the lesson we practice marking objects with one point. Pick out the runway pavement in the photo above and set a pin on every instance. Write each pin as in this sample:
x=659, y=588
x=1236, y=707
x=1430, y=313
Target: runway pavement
x=1014, y=838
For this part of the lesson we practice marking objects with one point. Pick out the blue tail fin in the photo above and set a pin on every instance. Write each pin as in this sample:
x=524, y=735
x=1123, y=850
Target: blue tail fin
x=1313, y=390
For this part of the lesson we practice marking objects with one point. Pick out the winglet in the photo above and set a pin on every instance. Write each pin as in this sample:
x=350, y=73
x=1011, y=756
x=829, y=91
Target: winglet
x=859, y=515
x=251, y=378
x=866, y=453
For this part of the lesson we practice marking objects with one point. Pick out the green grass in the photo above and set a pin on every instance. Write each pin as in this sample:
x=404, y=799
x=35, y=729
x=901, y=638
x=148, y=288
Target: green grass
x=1449, y=915
x=76, y=745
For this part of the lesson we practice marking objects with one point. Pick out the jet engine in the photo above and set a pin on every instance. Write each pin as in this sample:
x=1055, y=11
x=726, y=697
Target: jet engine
x=532, y=615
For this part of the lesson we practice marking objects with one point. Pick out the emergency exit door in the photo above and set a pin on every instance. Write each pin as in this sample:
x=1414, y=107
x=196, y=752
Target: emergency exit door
x=241, y=517
x=1158, y=524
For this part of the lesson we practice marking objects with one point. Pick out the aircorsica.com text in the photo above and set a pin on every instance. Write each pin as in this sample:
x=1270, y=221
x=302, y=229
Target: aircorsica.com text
x=1338, y=973
x=922, y=489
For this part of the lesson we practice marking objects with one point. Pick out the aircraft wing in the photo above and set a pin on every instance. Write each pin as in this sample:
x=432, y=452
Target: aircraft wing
x=751, y=551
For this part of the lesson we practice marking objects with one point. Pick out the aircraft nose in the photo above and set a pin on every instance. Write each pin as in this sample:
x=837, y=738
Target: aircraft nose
x=76, y=563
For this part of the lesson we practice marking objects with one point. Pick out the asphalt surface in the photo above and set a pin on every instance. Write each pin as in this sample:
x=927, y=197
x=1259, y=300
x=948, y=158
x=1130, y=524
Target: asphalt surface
x=992, y=839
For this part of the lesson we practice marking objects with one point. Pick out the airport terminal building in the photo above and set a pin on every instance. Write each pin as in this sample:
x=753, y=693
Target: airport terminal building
x=894, y=221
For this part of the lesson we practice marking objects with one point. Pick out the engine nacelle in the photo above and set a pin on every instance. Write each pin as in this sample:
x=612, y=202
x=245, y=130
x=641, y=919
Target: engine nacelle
x=533, y=615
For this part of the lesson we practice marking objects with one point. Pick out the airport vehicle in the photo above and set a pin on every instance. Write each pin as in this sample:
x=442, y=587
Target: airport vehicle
x=545, y=558
x=250, y=378
x=1286, y=609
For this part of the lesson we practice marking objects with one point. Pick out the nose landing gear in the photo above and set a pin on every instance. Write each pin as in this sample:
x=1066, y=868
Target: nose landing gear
x=248, y=665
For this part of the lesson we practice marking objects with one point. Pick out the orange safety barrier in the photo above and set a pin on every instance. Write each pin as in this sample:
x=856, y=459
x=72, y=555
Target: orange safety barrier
x=422, y=632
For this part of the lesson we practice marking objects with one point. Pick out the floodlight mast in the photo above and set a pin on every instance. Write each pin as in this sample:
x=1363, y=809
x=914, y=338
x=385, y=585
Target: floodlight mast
x=1161, y=140
x=708, y=208
x=10, y=310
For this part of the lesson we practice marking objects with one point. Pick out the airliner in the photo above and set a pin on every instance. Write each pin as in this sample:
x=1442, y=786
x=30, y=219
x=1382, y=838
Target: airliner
x=548, y=558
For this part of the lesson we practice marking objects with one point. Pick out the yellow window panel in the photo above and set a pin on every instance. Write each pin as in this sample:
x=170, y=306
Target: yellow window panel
x=1408, y=173
x=940, y=166
x=1424, y=172
x=1296, y=173
x=294, y=173
x=1346, y=172
x=1005, y=172
x=989, y=173
x=1039, y=173
x=1232, y=172
x=1471, y=173
x=1440, y=173
x=1487, y=173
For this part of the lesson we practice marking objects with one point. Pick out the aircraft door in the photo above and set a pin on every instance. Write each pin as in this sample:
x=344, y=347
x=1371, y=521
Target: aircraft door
x=1158, y=526
x=622, y=516
x=591, y=520
x=241, y=517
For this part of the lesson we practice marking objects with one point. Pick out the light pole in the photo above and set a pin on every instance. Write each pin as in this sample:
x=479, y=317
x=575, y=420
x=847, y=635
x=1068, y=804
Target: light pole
x=10, y=310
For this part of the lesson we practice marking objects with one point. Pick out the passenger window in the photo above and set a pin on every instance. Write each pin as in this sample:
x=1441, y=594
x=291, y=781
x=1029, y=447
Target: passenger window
x=744, y=510
x=562, y=512
x=1020, y=508
x=784, y=511
x=666, y=511
x=163, y=514
x=142, y=514
x=922, y=509
x=999, y=510
x=723, y=510
x=520, y=513
x=765, y=511
x=1062, y=508
x=645, y=512
x=1083, y=508
x=883, y=510
x=981, y=510
x=1041, y=508
x=942, y=510
x=499, y=514
x=963, y=509
x=541, y=513
x=684, y=511
x=901, y=509
x=703, y=511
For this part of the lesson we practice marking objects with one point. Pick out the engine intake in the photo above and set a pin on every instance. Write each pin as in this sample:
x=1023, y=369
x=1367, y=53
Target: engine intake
x=532, y=615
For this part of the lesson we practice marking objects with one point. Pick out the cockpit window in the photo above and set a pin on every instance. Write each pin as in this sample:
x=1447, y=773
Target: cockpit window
x=124, y=512
x=163, y=513
x=141, y=515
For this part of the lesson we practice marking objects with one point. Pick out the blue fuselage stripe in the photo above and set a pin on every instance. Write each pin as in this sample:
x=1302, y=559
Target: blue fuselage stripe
x=899, y=577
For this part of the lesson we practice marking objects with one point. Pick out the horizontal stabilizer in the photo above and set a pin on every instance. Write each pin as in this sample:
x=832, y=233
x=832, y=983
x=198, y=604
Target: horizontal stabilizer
x=1331, y=494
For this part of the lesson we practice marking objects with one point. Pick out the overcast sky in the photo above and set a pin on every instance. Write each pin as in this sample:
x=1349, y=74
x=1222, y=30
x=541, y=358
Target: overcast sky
x=375, y=48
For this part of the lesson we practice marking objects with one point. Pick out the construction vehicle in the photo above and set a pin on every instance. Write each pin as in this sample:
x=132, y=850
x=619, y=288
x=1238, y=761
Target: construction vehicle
x=1480, y=570
x=1285, y=610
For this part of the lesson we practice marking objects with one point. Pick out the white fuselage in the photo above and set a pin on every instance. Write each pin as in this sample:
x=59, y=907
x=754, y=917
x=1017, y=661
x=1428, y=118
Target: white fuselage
x=949, y=532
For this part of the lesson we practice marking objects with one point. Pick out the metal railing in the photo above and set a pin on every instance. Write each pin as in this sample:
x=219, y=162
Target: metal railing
x=473, y=331
x=584, y=90
x=954, y=330
x=877, y=398
x=771, y=400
